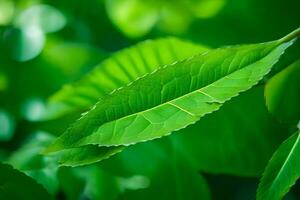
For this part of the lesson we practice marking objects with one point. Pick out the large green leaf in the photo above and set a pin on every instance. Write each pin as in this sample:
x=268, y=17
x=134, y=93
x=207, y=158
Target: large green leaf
x=129, y=64
x=283, y=94
x=120, y=69
x=214, y=151
x=173, y=96
x=282, y=171
x=16, y=185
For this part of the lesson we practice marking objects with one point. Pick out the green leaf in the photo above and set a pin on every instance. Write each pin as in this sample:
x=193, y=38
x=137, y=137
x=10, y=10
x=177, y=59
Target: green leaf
x=130, y=64
x=16, y=185
x=282, y=171
x=120, y=69
x=222, y=142
x=174, y=96
x=283, y=94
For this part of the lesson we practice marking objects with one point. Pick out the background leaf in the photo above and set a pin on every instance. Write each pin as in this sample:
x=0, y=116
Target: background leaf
x=12, y=180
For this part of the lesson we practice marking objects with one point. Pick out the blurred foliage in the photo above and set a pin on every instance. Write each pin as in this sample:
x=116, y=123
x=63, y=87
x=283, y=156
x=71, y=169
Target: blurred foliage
x=135, y=18
x=283, y=94
x=45, y=44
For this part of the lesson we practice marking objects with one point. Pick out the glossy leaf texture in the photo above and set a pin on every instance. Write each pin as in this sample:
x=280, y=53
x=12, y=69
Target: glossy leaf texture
x=230, y=125
x=227, y=142
x=283, y=94
x=16, y=185
x=118, y=70
x=173, y=96
x=282, y=171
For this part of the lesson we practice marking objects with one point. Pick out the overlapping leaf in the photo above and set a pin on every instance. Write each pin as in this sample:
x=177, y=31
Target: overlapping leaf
x=173, y=97
x=129, y=64
x=282, y=171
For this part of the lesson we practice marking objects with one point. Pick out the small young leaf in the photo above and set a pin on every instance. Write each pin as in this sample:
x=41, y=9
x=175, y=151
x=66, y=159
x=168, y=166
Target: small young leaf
x=282, y=171
x=174, y=96
x=16, y=185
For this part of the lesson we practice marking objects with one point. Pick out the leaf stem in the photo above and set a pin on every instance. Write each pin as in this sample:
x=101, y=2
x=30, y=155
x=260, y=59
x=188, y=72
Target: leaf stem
x=292, y=35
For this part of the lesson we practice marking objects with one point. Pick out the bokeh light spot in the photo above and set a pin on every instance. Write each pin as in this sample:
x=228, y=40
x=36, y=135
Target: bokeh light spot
x=7, y=126
x=135, y=182
x=24, y=43
x=46, y=18
x=33, y=109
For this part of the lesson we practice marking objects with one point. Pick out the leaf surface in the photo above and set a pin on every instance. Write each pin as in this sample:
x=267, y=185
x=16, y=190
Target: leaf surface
x=282, y=171
x=174, y=96
x=118, y=70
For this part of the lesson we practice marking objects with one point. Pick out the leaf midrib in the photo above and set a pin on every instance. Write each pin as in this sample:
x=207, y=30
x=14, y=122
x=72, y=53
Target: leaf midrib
x=286, y=161
x=213, y=100
x=175, y=98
